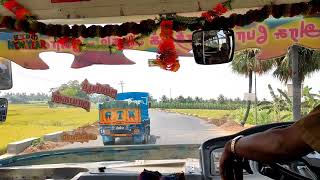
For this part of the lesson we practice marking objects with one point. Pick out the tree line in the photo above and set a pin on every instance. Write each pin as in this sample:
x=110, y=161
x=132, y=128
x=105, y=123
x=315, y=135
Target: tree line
x=181, y=102
x=24, y=98
x=221, y=99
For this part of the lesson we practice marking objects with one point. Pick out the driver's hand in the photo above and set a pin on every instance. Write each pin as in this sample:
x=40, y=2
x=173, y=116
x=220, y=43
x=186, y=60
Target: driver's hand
x=230, y=168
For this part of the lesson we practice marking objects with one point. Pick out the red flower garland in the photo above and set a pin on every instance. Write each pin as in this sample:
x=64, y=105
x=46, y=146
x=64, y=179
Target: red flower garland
x=167, y=58
x=219, y=10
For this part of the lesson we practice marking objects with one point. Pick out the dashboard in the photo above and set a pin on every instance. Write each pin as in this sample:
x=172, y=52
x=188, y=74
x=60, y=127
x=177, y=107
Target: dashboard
x=117, y=170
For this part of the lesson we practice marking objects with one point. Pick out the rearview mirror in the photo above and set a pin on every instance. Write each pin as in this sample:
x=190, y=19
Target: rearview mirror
x=3, y=109
x=5, y=74
x=213, y=46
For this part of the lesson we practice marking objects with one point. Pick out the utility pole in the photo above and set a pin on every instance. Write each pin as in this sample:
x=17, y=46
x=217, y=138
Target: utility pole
x=296, y=82
x=256, y=98
x=122, y=84
x=170, y=95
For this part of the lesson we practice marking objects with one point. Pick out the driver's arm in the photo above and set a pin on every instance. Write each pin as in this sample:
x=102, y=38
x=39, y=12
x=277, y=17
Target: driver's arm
x=295, y=141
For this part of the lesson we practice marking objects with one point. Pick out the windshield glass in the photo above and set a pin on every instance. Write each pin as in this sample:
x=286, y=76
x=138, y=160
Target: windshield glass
x=153, y=90
x=186, y=107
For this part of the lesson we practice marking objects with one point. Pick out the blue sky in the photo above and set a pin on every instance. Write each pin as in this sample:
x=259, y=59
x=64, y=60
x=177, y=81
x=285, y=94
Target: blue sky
x=191, y=80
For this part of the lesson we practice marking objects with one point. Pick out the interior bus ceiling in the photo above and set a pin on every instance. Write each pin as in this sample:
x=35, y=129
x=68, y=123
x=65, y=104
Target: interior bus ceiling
x=110, y=11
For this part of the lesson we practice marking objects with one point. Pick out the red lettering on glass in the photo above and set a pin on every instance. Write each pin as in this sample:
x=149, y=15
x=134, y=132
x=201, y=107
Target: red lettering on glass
x=309, y=30
x=180, y=36
x=114, y=40
x=263, y=37
x=43, y=44
x=154, y=39
x=281, y=33
x=105, y=41
x=241, y=36
x=251, y=35
x=294, y=34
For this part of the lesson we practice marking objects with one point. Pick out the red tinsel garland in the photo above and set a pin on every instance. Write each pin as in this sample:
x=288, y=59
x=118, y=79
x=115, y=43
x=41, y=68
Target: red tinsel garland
x=16, y=8
x=145, y=27
x=167, y=58
x=219, y=10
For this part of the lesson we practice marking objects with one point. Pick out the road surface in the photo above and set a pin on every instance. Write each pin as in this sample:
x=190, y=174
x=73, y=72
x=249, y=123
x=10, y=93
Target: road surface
x=170, y=128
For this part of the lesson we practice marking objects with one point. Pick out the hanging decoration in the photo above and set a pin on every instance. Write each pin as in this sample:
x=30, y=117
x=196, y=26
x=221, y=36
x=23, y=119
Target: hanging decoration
x=299, y=30
x=61, y=99
x=114, y=38
x=219, y=10
x=24, y=49
x=104, y=89
x=16, y=8
x=146, y=27
x=167, y=58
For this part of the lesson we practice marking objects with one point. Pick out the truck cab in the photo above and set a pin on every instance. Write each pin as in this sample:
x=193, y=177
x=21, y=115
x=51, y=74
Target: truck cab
x=127, y=116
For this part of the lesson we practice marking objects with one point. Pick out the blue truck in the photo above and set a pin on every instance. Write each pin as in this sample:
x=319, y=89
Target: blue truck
x=127, y=116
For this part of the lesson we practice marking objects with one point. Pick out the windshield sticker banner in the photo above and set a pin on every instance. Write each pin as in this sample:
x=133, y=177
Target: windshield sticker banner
x=24, y=49
x=104, y=89
x=78, y=137
x=60, y=99
x=274, y=36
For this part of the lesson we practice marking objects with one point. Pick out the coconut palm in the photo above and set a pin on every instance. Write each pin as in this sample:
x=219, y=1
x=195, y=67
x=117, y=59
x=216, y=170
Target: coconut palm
x=308, y=62
x=246, y=64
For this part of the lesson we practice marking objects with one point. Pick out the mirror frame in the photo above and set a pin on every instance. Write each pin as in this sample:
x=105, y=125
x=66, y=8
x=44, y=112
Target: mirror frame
x=229, y=34
x=10, y=75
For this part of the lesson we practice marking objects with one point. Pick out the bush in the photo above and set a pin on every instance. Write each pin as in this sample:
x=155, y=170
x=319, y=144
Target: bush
x=263, y=117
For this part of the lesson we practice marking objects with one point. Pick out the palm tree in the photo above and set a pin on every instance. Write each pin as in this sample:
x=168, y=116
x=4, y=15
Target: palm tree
x=308, y=63
x=245, y=63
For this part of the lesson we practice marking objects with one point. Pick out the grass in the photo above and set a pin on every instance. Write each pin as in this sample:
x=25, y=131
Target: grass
x=212, y=114
x=25, y=121
x=263, y=117
x=237, y=115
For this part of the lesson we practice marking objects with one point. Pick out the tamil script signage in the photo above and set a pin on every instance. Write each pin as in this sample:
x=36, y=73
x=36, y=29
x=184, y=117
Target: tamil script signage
x=274, y=36
x=104, y=89
x=61, y=99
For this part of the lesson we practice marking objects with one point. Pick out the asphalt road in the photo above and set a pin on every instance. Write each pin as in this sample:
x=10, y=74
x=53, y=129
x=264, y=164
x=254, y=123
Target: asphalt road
x=169, y=128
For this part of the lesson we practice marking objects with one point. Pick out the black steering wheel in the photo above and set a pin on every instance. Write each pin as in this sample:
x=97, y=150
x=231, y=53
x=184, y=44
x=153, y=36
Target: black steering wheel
x=290, y=170
x=287, y=170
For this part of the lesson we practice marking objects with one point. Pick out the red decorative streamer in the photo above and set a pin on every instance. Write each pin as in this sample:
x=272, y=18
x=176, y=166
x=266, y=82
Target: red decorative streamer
x=219, y=10
x=167, y=58
x=17, y=9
